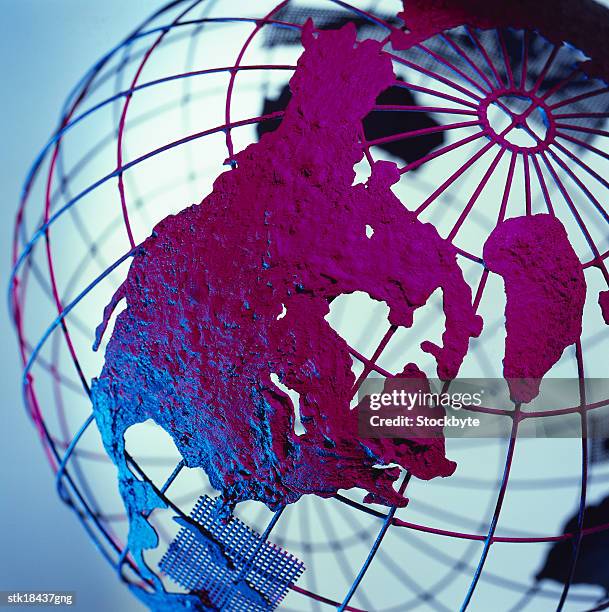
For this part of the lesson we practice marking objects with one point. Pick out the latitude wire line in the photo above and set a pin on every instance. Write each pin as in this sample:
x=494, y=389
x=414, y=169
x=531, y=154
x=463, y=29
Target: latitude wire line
x=498, y=580
x=365, y=14
x=476, y=537
x=375, y=547
x=576, y=541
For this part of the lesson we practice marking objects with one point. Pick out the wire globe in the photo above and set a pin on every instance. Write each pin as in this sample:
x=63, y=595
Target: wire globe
x=146, y=132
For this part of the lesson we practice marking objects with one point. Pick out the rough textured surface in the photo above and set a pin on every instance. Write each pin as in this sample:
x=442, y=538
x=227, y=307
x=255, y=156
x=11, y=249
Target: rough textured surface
x=603, y=301
x=282, y=233
x=545, y=290
x=583, y=24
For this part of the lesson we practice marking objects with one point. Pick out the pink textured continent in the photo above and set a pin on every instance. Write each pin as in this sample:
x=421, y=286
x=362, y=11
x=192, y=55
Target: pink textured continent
x=603, y=302
x=545, y=290
x=283, y=233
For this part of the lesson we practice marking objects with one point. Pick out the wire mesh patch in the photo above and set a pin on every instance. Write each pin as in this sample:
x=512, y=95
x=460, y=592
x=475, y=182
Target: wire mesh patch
x=233, y=565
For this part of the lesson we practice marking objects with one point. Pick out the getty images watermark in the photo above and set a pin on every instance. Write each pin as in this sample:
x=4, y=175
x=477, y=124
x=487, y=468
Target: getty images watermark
x=481, y=407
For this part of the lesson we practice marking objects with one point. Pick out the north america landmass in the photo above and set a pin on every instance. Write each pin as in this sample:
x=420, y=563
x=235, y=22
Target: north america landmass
x=235, y=290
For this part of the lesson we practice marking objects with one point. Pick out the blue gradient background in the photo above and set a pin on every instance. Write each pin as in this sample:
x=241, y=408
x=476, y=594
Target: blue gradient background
x=45, y=47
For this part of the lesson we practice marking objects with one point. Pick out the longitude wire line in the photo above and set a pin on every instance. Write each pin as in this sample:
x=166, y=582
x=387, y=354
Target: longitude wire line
x=18, y=259
x=164, y=488
x=459, y=50
x=189, y=61
x=58, y=301
x=507, y=190
x=248, y=563
x=579, y=97
x=576, y=541
x=136, y=197
x=25, y=378
x=562, y=188
x=65, y=193
x=423, y=132
x=491, y=532
x=434, y=76
x=477, y=192
x=581, y=164
x=259, y=24
x=598, y=257
x=121, y=124
x=446, y=62
x=514, y=432
x=27, y=387
x=88, y=492
x=377, y=543
x=338, y=550
x=457, y=565
x=387, y=561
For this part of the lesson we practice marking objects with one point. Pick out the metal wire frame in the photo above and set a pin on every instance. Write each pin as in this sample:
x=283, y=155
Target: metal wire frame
x=30, y=356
